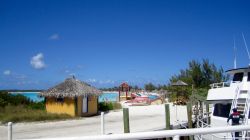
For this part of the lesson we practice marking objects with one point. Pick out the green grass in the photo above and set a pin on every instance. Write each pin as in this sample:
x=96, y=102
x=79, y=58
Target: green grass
x=24, y=114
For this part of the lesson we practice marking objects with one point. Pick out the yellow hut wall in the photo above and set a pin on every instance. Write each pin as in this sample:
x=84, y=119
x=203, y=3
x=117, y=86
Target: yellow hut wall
x=92, y=106
x=67, y=106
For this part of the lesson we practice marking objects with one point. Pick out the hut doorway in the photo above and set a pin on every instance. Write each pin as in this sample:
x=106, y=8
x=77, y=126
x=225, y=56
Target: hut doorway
x=84, y=104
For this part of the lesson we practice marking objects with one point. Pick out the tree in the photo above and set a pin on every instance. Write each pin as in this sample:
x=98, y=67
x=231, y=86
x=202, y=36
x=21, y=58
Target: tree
x=200, y=74
x=195, y=73
x=149, y=87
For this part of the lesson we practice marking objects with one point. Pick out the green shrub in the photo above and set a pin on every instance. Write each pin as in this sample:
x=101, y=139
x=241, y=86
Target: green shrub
x=37, y=105
x=16, y=100
x=2, y=102
x=24, y=114
x=106, y=106
x=116, y=105
x=18, y=108
x=13, y=99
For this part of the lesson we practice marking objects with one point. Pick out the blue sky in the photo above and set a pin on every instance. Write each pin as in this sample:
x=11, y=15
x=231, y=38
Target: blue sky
x=42, y=42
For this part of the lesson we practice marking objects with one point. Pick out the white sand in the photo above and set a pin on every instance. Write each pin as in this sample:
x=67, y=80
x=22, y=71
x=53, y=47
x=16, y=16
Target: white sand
x=142, y=118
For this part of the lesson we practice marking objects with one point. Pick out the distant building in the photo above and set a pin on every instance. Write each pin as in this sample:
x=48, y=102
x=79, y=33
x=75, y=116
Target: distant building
x=124, y=92
x=72, y=97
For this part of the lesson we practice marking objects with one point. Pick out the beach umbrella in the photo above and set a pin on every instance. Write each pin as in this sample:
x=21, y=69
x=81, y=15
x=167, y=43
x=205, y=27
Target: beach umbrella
x=179, y=83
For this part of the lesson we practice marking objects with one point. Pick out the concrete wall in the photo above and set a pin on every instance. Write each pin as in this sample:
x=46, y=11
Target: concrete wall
x=67, y=106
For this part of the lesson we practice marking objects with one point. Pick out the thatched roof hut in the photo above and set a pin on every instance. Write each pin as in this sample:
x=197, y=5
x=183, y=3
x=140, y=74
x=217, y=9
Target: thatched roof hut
x=179, y=83
x=71, y=87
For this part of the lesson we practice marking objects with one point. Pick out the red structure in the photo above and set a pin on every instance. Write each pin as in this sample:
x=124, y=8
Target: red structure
x=124, y=87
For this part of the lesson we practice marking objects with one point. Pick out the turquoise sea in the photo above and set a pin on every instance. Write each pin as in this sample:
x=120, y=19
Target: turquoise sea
x=109, y=97
x=34, y=96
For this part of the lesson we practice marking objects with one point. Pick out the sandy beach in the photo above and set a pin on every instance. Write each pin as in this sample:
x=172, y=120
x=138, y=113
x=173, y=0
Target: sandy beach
x=142, y=118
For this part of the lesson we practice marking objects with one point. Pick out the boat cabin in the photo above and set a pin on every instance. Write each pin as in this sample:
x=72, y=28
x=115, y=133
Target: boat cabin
x=239, y=78
x=223, y=94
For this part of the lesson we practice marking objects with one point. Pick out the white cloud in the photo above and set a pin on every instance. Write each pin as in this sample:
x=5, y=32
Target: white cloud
x=91, y=80
x=72, y=74
x=27, y=82
x=67, y=71
x=37, y=61
x=79, y=66
x=7, y=72
x=106, y=82
x=54, y=37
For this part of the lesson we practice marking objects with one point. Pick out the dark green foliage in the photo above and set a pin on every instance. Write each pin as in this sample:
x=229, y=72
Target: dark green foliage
x=149, y=87
x=37, y=105
x=198, y=74
x=110, y=89
x=201, y=74
x=14, y=99
x=106, y=106
x=3, y=102
x=135, y=87
x=103, y=106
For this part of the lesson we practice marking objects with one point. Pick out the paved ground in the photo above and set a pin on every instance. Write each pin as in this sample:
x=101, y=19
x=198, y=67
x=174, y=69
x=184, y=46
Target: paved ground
x=142, y=118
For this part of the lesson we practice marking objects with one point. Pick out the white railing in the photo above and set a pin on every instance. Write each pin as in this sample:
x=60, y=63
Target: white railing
x=235, y=100
x=220, y=85
x=246, y=113
x=175, y=134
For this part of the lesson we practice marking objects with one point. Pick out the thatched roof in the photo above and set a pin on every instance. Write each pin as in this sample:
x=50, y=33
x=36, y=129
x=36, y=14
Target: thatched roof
x=179, y=83
x=71, y=87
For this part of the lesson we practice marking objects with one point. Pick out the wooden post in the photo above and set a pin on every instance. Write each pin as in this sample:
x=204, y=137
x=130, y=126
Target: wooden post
x=167, y=116
x=201, y=107
x=208, y=116
x=126, y=94
x=126, y=120
x=190, y=121
x=119, y=95
x=202, y=113
x=197, y=114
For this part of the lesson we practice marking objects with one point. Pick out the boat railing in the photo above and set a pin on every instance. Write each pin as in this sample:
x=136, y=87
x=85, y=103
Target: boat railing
x=220, y=85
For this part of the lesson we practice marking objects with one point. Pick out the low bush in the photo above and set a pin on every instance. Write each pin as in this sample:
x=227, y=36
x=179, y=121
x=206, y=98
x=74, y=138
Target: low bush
x=24, y=114
x=9, y=99
x=37, y=105
x=16, y=100
x=18, y=108
x=106, y=106
x=116, y=105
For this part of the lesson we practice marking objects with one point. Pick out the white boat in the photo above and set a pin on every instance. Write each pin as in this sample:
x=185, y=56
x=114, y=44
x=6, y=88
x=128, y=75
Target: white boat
x=225, y=96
